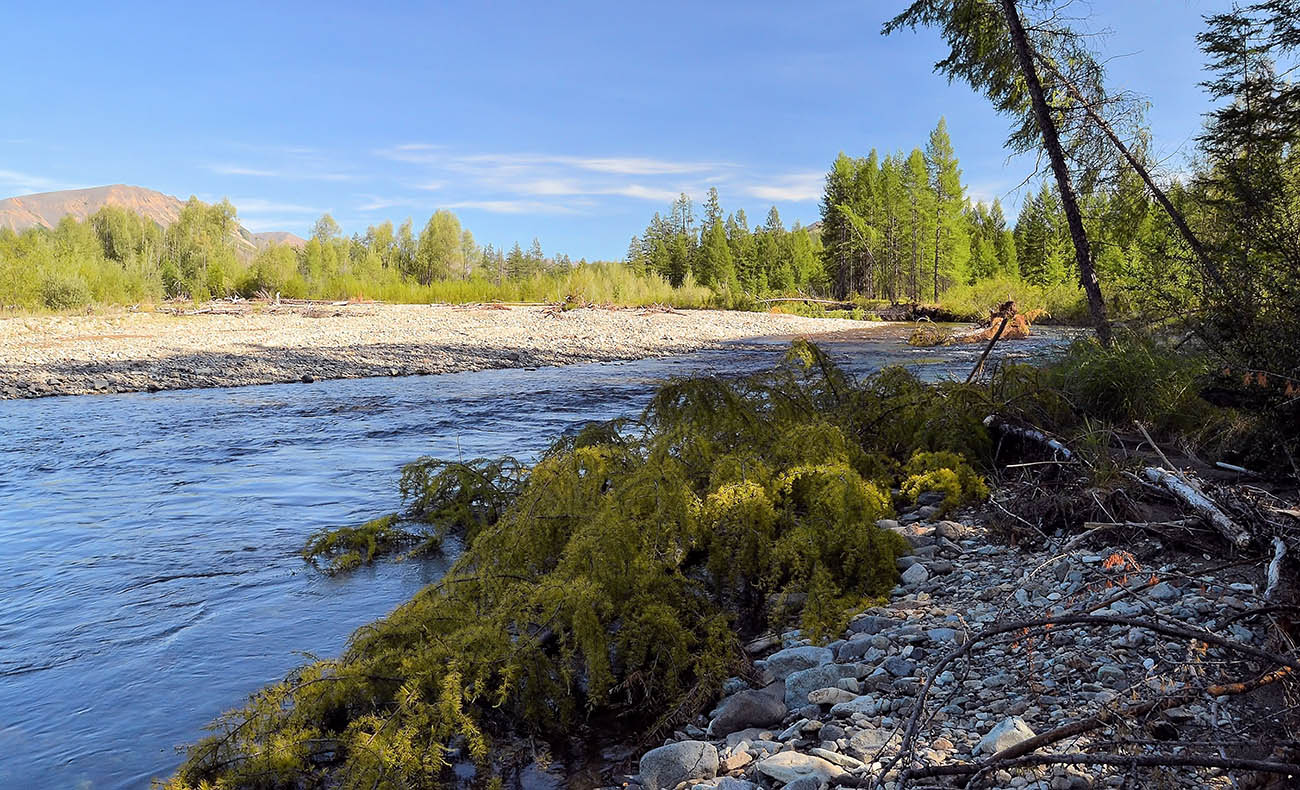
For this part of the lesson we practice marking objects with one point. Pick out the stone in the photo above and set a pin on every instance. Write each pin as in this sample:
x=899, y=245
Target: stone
x=806, y=783
x=917, y=574
x=1007, y=733
x=830, y=696
x=842, y=760
x=666, y=767
x=867, y=743
x=952, y=530
x=946, y=636
x=1112, y=676
x=799, y=684
x=736, y=760
x=1164, y=591
x=898, y=666
x=869, y=624
x=788, y=767
x=793, y=659
x=751, y=708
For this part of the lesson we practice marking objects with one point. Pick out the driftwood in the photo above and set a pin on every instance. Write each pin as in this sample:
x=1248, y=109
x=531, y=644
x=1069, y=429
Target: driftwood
x=999, y=425
x=1185, y=491
x=1274, y=575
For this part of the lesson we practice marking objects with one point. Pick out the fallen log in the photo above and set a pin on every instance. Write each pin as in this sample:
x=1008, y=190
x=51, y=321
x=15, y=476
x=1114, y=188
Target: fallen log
x=999, y=425
x=1185, y=491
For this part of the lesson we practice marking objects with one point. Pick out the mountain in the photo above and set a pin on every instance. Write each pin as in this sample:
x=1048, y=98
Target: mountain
x=47, y=208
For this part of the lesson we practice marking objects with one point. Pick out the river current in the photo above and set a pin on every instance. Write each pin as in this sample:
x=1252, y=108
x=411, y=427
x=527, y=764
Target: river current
x=149, y=568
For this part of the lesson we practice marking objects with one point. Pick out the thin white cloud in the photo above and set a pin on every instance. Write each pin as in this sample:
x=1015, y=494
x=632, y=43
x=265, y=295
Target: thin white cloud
x=293, y=174
x=12, y=180
x=794, y=188
x=513, y=206
x=262, y=206
x=431, y=186
x=646, y=193
x=375, y=203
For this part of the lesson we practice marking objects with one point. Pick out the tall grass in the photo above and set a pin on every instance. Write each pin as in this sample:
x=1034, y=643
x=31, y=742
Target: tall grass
x=1059, y=303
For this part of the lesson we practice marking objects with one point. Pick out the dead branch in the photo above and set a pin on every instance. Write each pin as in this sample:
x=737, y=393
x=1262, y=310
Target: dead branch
x=1187, y=492
x=1275, y=569
x=999, y=425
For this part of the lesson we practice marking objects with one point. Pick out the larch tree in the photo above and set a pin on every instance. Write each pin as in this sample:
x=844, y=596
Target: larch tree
x=992, y=51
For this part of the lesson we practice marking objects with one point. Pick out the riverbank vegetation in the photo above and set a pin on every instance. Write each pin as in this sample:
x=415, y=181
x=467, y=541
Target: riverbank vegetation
x=118, y=257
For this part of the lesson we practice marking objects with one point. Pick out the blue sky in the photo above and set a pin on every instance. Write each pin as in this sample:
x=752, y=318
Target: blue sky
x=572, y=122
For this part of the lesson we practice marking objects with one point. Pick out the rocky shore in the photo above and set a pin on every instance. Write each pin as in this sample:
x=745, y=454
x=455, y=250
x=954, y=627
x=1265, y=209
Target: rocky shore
x=229, y=346
x=897, y=702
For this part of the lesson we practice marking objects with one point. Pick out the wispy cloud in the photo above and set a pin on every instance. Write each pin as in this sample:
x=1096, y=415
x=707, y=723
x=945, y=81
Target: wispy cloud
x=513, y=206
x=14, y=181
x=292, y=173
x=793, y=188
x=376, y=203
x=254, y=205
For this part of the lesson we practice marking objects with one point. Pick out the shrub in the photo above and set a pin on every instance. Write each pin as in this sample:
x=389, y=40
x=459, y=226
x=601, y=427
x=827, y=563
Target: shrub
x=63, y=291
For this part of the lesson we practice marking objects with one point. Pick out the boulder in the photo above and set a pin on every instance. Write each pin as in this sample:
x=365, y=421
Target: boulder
x=799, y=684
x=781, y=663
x=664, y=768
x=1007, y=733
x=916, y=574
x=750, y=708
x=788, y=767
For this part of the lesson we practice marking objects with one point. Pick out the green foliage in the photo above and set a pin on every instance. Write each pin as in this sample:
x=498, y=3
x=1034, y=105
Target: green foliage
x=613, y=579
x=1133, y=379
x=946, y=473
x=345, y=548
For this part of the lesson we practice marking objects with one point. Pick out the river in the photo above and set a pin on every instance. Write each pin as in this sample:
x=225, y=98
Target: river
x=149, y=572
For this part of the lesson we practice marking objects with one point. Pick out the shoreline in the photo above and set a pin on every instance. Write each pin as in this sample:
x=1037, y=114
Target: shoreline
x=43, y=356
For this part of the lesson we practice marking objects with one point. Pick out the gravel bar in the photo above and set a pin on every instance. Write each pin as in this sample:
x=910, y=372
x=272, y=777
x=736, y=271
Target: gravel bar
x=264, y=344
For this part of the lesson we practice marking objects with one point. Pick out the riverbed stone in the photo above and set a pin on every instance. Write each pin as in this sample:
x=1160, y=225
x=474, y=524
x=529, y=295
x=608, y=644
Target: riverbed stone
x=794, y=659
x=1004, y=735
x=799, y=684
x=751, y=708
x=788, y=767
x=664, y=768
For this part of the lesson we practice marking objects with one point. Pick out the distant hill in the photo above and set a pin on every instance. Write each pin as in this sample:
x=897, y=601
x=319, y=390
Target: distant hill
x=47, y=208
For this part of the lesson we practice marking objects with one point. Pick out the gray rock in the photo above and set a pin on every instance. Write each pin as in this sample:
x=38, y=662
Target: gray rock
x=793, y=659
x=751, y=708
x=867, y=704
x=898, y=666
x=1112, y=676
x=1164, y=591
x=830, y=696
x=664, y=768
x=870, y=624
x=788, y=767
x=917, y=574
x=799, y=684
x=1006, y=734
x=806, y=783
x=867, y=743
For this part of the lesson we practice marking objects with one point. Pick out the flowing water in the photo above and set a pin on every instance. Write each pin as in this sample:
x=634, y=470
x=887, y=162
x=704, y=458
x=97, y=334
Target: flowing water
x=149, y=576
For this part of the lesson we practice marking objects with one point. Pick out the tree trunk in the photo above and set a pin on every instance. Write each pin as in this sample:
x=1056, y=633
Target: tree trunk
x=938, y=229
x=1052, y=142
x=1174, y=214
